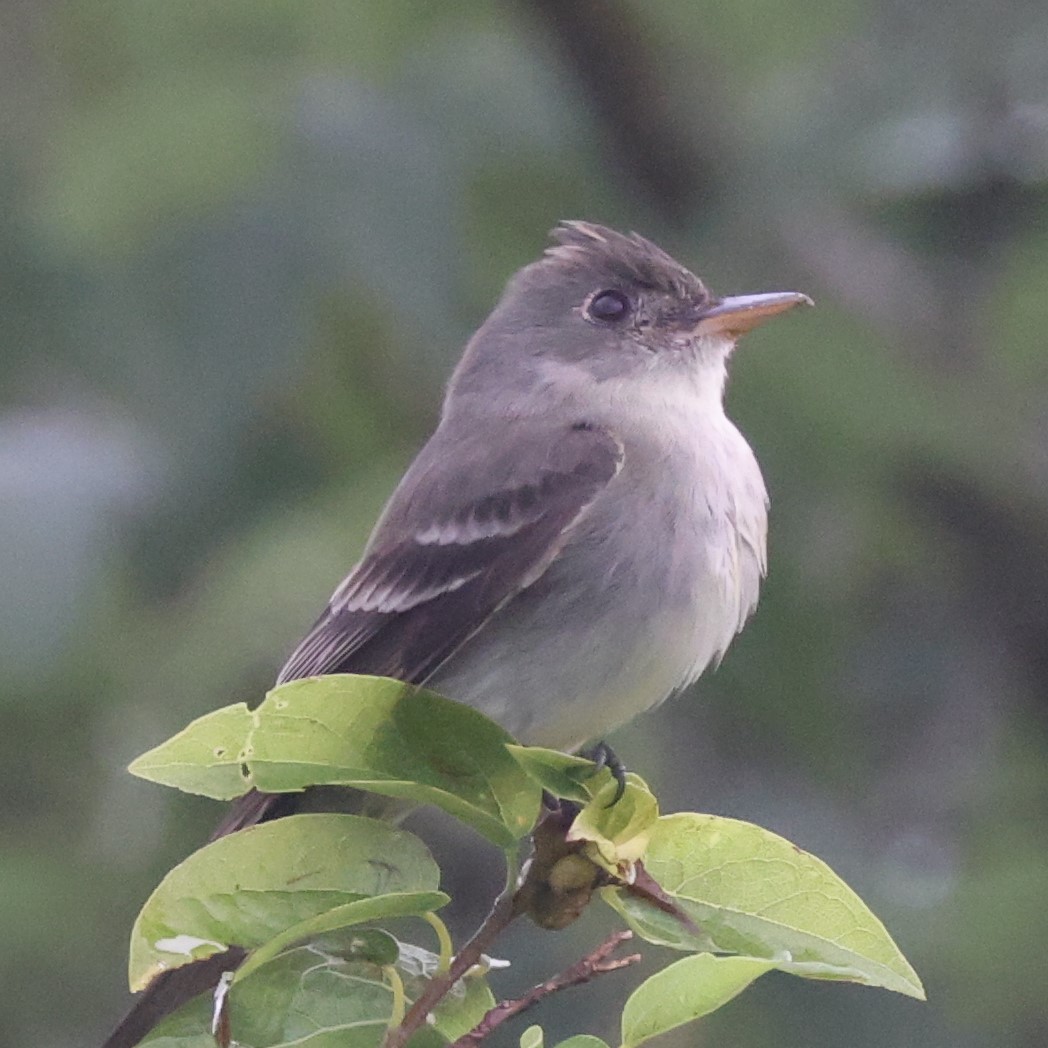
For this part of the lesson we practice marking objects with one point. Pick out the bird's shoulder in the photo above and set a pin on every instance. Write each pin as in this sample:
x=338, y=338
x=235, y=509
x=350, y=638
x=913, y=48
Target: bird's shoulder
x=472, y=524
x=515, y=467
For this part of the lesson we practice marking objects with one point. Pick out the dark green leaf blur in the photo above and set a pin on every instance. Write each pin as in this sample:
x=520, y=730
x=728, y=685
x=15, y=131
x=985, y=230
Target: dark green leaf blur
x=241, y=245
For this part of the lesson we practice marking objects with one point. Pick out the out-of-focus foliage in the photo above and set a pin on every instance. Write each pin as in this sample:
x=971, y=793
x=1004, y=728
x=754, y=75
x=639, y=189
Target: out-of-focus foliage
x=240, y=245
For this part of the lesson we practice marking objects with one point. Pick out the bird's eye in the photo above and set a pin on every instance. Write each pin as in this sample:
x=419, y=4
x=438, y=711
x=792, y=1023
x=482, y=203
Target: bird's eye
x=608, y=306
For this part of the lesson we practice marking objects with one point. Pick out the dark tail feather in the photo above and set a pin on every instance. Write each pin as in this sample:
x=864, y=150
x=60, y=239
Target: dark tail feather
x=255, y=807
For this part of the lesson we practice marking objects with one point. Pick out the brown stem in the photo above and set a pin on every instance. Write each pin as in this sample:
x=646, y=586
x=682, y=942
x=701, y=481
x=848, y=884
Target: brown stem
x=558, y=882
x=496, y=922
x=595, y=963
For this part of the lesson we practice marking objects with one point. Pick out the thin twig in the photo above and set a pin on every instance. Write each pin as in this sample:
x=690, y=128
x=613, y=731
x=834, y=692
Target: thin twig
x=596, y=962
x=496, y=922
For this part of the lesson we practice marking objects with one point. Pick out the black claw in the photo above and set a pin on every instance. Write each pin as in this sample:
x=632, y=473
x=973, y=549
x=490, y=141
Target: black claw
x=605, y=757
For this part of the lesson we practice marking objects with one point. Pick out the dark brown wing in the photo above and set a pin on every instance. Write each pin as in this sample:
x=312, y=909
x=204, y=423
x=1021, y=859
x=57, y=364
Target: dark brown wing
x=439, y=566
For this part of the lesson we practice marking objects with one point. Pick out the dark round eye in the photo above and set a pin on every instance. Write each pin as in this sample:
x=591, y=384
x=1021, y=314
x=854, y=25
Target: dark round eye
x=609, y=306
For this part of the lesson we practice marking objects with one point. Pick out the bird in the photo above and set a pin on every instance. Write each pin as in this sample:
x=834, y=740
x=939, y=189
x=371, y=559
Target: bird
x=582, y=535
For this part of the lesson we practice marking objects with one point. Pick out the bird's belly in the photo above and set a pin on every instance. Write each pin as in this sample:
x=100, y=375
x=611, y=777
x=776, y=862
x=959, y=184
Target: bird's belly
x=615, y=625
x=561, y=693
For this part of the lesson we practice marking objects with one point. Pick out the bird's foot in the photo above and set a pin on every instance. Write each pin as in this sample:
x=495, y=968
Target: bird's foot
x=605, y=757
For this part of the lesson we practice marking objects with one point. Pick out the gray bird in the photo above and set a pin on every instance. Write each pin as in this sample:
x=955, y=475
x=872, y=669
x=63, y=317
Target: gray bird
x=585, y=531
x=583, y=534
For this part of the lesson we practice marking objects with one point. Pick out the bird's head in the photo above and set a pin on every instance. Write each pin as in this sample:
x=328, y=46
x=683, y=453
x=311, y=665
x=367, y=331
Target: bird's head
x=610, y=305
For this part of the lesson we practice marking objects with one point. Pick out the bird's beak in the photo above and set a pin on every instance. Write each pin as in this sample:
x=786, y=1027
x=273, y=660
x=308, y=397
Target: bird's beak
x=737, y=314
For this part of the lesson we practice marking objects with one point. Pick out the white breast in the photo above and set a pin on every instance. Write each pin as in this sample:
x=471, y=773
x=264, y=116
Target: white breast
x=659, y=577
x=697, y=467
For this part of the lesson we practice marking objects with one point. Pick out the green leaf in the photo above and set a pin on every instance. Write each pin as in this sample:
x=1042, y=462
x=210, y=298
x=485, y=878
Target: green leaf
x=616, y=826
x=532, y=1037
x=372, y=945
x=330, y=994
x=250, y=886
x=369, y=732
x=463, y=1008
x=311, y=999
x=619, y=830
x=468, y=1002
x=656, y=925
x=754, y=893
x=380, y=907
x=686, y=990
x=562, y=774
x=209, y=761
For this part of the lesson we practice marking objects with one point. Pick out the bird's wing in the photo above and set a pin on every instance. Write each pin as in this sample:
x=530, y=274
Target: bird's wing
x=452, y=548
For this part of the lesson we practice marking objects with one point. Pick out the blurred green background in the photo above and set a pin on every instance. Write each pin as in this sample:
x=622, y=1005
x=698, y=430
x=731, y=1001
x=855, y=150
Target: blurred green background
x=242, y=243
